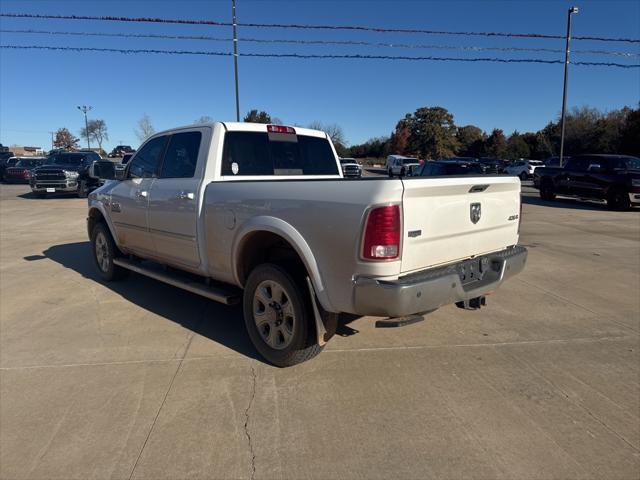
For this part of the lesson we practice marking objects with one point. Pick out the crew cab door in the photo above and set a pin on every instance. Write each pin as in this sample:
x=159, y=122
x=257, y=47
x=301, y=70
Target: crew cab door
x=174, y=198
x=130, y=198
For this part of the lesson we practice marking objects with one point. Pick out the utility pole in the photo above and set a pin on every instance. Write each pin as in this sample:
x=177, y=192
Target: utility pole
x=51, y=139
x=84, y=109
x=570, y=12
x=235, y=57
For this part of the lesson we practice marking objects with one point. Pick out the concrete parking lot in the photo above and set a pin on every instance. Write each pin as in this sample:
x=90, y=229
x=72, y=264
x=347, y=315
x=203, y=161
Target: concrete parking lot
x=141, y=380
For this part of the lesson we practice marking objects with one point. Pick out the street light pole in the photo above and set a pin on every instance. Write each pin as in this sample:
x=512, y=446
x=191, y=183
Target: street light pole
x=570, y=12
x=84, y=109
x=235, y=57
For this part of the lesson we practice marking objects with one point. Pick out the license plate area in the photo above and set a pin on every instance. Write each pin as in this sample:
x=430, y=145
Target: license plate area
x=472, y=271
x=51, y=190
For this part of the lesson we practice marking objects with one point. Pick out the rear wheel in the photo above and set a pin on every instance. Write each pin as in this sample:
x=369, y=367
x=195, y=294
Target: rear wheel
x=546, y=191
x=523, y=176
x=390, y=173
x=618, y=199
x=403, y=172
x=104, y=252
x=278, y=316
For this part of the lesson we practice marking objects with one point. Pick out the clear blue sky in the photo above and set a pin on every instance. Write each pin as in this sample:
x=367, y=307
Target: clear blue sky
x=39, y=90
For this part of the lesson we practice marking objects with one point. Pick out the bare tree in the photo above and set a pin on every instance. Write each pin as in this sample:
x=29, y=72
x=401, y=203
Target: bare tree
x=204, y=119
x=95, y=130
x=334, y=131
x=145, y=129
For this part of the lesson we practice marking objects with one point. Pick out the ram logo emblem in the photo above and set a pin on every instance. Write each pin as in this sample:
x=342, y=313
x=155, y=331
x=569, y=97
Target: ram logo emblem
x=475, y=212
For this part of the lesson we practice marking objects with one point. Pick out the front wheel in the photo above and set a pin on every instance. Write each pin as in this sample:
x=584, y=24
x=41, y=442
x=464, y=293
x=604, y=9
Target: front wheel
x=523, y=176
x=82, y=189
x=546, y=191
x=278, y=317
x=618, y=199
x=104, y=252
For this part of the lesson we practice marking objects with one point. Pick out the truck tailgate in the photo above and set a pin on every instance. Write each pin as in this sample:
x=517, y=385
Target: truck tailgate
x=439, y=225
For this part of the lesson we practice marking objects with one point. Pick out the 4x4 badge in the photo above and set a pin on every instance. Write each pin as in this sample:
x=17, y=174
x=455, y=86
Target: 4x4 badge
x=475, y=212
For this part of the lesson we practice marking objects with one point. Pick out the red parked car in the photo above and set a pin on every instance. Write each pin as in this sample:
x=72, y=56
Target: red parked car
x=21, y=171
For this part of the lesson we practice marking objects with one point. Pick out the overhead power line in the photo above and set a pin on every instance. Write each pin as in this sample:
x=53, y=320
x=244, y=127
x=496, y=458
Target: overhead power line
x=314, y=27
x=469, y=48
x=314, y=56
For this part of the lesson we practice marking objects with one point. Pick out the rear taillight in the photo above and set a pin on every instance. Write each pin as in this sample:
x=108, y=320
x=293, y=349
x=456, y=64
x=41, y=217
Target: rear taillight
x=382, y=234
x=280, y=129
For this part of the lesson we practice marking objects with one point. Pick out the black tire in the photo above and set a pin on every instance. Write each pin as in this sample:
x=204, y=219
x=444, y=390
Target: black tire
x=403, y=172
x=301, y=344
x=546, y=191
x=618, y=199
x=103, y=247
x=390, y=173
x=82, y=189
x=523, y=176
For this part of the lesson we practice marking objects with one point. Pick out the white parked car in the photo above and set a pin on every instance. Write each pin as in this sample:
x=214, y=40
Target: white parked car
x=523, y=168
x=262, y=215
x=401, y=165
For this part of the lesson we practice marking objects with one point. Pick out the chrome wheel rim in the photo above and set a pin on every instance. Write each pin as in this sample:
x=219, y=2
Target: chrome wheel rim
x=274, y=315
x=102, y=252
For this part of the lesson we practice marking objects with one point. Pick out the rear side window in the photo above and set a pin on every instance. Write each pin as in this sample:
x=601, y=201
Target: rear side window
x=256, y=153
x=182, y=155
x=578, y=164
x=145, y=163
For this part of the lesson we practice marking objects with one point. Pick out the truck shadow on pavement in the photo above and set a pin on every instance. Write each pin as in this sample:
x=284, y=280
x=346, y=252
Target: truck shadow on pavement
x=220, y=323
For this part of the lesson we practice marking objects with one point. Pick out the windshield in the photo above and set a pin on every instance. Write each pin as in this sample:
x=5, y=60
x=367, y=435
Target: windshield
x=408, y=161
x=627, y=163
x=25, y=163
x=347, y=160
x=66, y=160
x=535, y=162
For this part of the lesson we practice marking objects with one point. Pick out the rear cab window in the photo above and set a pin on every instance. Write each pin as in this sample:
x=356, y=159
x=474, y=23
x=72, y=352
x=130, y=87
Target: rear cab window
x=247, y=154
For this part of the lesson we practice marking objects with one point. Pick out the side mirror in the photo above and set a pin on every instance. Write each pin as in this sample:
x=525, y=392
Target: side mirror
x=102, y=169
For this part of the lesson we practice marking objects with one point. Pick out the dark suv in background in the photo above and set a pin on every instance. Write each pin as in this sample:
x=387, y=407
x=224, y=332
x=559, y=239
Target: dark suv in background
x=614, y=178
x=120, y=150
x=66, y=172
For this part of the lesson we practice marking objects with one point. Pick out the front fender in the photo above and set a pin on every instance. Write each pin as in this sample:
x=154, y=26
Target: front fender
x=99, y=205
x=294, y=238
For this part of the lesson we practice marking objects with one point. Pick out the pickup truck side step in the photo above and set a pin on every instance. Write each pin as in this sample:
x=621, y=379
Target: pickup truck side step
x=218, y=294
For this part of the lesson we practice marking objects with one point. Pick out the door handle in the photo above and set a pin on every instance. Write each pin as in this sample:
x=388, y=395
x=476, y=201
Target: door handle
x=141, y=194
x=185, y=196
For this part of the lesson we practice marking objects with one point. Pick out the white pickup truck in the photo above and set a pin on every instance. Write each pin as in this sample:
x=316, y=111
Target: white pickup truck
x=261, y=214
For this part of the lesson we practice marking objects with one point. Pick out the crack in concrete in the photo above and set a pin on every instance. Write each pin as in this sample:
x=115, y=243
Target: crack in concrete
x=246, y=422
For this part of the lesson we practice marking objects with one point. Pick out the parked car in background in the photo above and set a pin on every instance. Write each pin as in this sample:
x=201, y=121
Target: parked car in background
x=491, y=165
x=66, y=172
x=120, y=150
x=5, y=155
x=449, y=167
x=613, y=178
x=7, y=163
x=265, y=212
x=350, y=168
x=21, y=171
x=524, y=168
x=401, y=165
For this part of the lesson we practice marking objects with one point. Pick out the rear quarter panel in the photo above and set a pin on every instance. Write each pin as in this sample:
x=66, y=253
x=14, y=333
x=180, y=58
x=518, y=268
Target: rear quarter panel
x=327, y=215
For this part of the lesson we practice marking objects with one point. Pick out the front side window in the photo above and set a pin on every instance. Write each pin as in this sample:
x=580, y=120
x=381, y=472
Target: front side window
x=182, y=155
x=145, y=163
x=256, y=153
